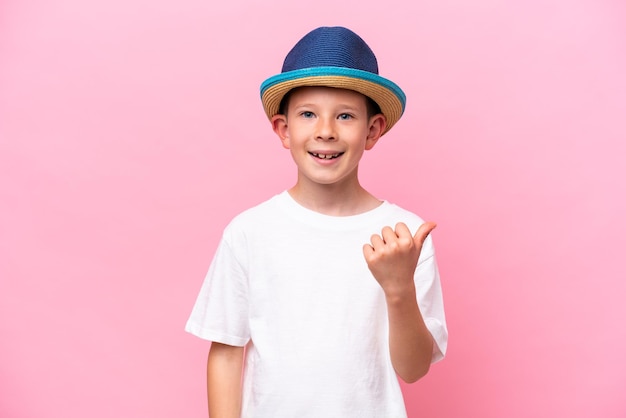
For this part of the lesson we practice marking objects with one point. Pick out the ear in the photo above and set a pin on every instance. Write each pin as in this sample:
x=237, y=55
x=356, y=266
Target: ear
x=377, y=125
x=279, y=125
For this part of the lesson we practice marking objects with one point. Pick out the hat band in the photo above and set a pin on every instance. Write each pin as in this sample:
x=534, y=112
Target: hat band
x=288, y=76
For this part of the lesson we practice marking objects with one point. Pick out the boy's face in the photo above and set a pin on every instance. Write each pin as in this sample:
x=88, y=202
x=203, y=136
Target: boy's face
x=327, y=130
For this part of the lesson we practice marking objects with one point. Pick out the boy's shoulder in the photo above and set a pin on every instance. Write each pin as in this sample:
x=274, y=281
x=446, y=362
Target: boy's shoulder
x=259, y=214
x=260, y=210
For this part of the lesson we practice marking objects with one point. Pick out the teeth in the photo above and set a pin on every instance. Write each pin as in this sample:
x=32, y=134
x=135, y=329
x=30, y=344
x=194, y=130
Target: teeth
x=325, y=156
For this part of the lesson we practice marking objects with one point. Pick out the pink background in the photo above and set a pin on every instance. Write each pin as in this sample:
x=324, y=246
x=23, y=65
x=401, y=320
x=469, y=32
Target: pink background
x=131, y=132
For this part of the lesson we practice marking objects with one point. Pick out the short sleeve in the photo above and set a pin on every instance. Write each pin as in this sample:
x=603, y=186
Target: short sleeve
x=430, y=301
x=220, y=313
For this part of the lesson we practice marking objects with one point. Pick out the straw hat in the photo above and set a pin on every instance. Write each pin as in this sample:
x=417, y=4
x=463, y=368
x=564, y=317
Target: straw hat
x=334, y=57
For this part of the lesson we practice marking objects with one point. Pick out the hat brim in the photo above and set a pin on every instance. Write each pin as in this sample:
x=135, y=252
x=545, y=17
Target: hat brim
x=385, y=93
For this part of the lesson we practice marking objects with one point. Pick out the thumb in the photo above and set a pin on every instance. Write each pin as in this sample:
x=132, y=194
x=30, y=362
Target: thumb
x=422, y=232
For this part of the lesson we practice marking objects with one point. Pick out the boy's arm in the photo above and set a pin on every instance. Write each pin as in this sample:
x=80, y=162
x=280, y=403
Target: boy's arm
x=392, y=258
x=224, y=368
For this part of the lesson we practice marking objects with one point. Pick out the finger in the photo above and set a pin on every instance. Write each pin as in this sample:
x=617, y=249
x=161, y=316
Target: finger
x=377, y=241
x=422, y=232
x=388, y=234
x=368, y=251
x=403, y=231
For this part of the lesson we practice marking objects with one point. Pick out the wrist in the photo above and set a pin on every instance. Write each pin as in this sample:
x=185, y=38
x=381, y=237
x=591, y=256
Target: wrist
x=400, y=294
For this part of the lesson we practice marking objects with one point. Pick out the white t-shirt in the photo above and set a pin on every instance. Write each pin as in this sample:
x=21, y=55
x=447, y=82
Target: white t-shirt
x=293, y=285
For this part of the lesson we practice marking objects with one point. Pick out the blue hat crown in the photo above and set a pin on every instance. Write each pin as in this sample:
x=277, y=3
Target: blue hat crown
x=331, y=47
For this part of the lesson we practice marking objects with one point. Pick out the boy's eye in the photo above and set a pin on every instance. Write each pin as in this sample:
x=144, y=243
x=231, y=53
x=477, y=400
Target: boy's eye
x=345, y=116
x=307, y=114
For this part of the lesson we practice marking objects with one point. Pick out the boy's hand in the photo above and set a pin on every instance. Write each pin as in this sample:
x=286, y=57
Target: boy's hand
x=392, y=256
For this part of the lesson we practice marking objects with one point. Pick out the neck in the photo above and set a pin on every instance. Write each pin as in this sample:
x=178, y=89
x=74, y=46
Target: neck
x=334, y=199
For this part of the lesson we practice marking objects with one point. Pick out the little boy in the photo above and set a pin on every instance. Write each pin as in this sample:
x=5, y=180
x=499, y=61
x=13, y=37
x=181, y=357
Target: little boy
x=324, y=294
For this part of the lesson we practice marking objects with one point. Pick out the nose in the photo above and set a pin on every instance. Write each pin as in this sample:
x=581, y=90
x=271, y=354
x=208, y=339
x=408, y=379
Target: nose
x=325, y=129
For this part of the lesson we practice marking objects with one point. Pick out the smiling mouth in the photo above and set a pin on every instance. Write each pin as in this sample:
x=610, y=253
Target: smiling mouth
x=326, y=156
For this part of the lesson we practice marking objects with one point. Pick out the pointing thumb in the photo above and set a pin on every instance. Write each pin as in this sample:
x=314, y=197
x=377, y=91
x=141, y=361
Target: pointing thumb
x=422, y=232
